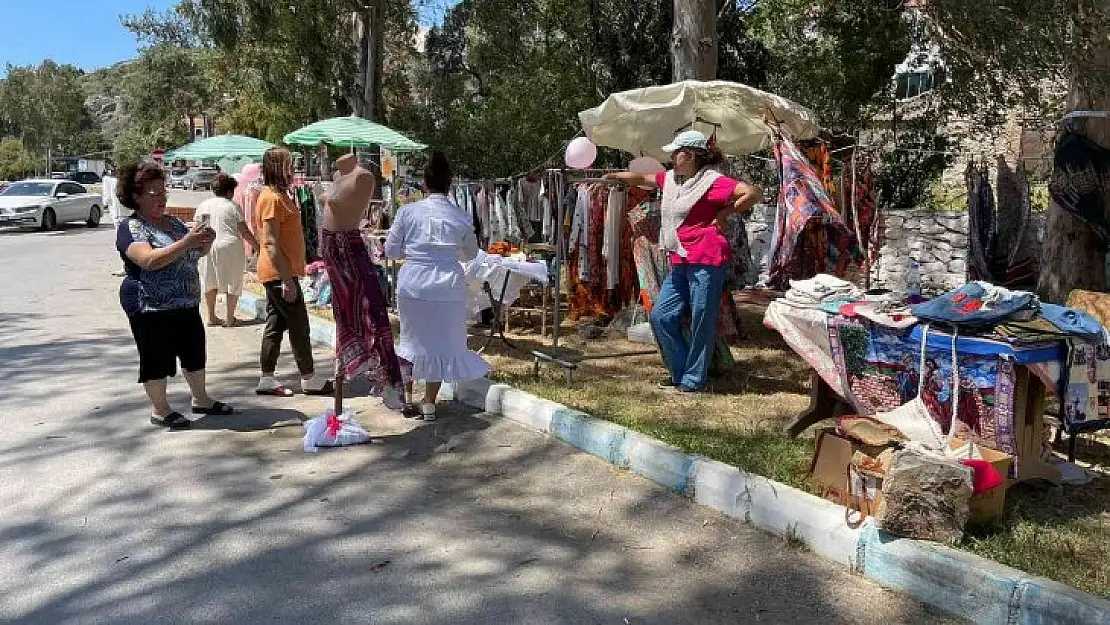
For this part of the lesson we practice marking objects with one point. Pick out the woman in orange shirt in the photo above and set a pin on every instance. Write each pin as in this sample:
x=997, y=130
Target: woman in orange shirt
x=281, y=262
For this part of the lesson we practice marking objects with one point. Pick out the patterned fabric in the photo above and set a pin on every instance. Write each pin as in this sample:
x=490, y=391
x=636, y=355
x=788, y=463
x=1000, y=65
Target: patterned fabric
x=880, y=370
x=588, y=293
x=810, y=236
x=819, y=156
x=363, y=336
x=1080, y=176
x=866, y=207
x=742, y=271
x=175, y=286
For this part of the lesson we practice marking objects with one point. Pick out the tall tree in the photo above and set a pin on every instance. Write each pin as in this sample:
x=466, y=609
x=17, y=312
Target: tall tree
x=43, y=105
x=695, y=45
x=1017, y=52
x=1074, y=255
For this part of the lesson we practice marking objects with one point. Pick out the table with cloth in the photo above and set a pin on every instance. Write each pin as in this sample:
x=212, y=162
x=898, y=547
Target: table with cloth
x=861, y=367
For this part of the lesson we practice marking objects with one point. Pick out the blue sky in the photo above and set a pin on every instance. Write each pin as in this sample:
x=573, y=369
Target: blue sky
x=88, y=33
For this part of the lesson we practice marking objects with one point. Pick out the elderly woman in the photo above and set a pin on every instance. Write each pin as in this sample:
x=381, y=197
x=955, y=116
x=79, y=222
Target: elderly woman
x=697, y=202
x=161, y=293
x=433, y=235
x=222, y=269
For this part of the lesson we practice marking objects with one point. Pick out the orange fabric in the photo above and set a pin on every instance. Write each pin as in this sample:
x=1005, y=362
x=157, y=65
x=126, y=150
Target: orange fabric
x=275, y=206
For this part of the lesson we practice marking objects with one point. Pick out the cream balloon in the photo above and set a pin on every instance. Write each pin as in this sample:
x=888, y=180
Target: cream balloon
x=581, y=153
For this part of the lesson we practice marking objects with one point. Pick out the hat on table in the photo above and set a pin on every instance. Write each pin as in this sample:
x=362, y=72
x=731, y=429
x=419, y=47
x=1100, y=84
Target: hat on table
x=689, y=139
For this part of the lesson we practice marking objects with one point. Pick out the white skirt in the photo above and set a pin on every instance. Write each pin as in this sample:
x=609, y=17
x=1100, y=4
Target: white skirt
x=222, y=269
x=433, y=339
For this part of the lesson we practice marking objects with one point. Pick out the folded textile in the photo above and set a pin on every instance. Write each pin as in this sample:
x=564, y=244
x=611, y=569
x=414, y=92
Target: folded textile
x=888, y=314
x=1074, y=322
x=824, y=287
x=984, y=476
x=978, y=305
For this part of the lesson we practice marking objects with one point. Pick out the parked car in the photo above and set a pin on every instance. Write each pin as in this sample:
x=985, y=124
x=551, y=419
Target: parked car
x=46, y=203
x=84, y=177
x=177, y=177
x=200, y=178
x=58, y=175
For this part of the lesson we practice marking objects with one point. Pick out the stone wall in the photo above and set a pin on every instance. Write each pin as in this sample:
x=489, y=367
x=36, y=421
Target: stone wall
x=937, y=241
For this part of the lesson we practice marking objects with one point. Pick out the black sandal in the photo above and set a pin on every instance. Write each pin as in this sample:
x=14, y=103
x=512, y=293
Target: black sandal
x=172, y=421
x=217, y=409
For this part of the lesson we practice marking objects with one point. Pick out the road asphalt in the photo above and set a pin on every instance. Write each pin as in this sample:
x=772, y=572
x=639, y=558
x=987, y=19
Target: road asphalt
x=472, y=519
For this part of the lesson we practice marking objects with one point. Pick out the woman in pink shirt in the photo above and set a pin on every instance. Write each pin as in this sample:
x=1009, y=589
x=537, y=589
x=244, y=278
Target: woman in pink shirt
x=697, y=201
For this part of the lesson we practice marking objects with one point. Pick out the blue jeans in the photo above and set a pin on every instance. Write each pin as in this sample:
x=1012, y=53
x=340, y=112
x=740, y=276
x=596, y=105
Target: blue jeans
x=693, y=290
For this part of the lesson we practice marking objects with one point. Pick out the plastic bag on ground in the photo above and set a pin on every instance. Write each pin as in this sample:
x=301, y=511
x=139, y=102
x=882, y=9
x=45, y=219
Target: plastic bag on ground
x=327, y=430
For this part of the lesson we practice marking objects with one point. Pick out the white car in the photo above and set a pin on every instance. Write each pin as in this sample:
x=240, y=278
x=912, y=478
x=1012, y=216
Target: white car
x=46, y=203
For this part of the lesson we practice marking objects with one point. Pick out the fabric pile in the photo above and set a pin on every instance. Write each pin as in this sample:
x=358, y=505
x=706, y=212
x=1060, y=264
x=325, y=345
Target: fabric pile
x=820, y=291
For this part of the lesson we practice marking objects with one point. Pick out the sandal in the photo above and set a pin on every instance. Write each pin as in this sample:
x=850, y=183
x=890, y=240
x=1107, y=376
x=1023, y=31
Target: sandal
x=327, y=389
x=277, y=391
x=217, y=409
x=172, y=421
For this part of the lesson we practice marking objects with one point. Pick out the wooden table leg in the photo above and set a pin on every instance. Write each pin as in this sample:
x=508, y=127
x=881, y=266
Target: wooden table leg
x=1029, y=399
x=824, y=404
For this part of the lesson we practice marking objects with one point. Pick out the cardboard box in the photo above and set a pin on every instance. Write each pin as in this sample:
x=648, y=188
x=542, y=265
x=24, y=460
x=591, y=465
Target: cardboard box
x=990, y=505
x=829, y=478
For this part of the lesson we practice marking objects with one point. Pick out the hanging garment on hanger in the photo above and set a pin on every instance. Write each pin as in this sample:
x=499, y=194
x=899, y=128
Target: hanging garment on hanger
x=810, y=236
x=548, y=219
x=980, y=221
x=306, y=201
x=866, y=206
x=578, y=242
x=742, y=270
x=482, y=200
x=819, y=156
x=522, y=228
x=500, y=230
x=529, y=192
x=611, y=243
x=1081, y=171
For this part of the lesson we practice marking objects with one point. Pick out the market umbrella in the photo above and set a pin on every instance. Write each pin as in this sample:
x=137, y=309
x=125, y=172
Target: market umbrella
x=642, y=121
x=221, y=146
x=355, y=132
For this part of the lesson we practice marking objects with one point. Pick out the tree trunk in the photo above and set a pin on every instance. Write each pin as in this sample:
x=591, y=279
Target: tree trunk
x=694, y=40
x=1074, y=257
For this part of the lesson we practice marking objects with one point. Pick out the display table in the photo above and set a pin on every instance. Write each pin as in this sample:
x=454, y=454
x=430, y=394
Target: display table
x=495, y=282
x=862, y=368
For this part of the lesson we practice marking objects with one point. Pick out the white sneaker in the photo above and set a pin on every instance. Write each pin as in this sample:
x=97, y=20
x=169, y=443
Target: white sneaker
x=428, y=412
x=312, y=384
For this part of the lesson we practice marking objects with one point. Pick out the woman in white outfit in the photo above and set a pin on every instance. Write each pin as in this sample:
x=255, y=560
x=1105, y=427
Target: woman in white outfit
x=433, y=236
x=222, y=270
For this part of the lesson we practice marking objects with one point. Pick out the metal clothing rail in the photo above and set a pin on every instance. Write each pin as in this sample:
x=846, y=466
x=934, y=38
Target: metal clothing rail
x=562, y=185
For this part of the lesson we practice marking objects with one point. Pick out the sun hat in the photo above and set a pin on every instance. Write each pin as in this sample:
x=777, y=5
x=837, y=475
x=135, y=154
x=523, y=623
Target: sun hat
x=690, y=139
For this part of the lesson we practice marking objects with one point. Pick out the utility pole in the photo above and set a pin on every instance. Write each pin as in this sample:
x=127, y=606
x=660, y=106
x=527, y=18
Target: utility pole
x=694, y=42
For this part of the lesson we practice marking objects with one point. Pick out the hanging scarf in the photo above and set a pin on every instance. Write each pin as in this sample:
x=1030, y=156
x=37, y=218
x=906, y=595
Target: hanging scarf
x=678, y=201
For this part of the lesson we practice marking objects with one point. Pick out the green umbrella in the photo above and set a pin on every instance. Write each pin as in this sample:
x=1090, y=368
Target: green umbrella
x=222, y=146
x=354, y=132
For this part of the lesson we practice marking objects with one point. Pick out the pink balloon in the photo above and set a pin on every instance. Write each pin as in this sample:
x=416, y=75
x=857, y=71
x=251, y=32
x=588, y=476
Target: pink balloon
x=581, y=153
x=251, y=173
x=646, y=165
